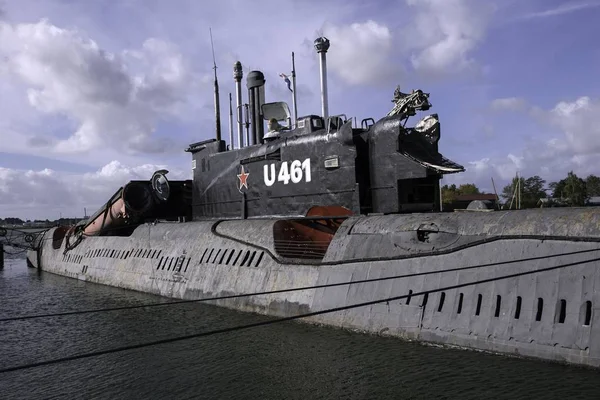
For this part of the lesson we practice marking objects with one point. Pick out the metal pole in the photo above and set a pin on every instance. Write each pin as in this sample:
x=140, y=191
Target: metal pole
x=496, y=193
x=230, y=123
x=238, y=73
x=324, y=99
x=247, y=123
x=1, y=256
x=294, y=100
x=217, y=106
x=519, y=186
x=441, y=201
x=322, y=45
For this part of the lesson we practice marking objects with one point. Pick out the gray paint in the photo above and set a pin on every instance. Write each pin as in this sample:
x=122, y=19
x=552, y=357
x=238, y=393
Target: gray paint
x=204, y=258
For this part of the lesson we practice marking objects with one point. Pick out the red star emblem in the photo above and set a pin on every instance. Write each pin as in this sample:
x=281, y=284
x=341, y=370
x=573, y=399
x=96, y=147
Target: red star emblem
x=243, y=178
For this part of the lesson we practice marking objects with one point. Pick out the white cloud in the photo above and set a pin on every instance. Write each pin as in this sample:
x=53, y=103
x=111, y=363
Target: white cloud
x=482, y=170
x=445, y=32
x=361, y=52
x=575, y=148
x=579, y=121
x=517, y=161
x=480, y=165
x=114, y=85
x=562, y=9
x=509, y=103
x=46, y=193
x=68, y=74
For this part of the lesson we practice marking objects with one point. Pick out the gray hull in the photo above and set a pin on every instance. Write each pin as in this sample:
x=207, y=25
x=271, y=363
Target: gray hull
x=548, y=315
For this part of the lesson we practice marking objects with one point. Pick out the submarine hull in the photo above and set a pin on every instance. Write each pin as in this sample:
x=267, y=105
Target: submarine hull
x=541, y=314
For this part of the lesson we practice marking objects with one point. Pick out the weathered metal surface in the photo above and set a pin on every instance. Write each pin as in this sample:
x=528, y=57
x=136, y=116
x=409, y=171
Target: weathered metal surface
x=431, y=233
x=203, y=259
x=251, y=179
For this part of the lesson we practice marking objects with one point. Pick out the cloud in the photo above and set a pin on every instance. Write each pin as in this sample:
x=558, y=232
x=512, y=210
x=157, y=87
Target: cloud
x=114, y=100
x=579, y=121
x=438, y=39
x=361, y=52
x=118, y=89
x=445, y=33
x=562, y=9
x=46, y=193
x=123, y=91
x=480, y=171
x=566, y=140
x=509, y=103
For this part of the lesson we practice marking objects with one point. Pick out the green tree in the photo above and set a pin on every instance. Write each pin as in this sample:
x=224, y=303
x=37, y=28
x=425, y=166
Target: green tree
x=576, y=190
x=572, y=190
x=449, y=193
x=509, y=190
x=557, y=188
x=468, y=188
x=592, y=185
x=14, y=221
x=531, y=191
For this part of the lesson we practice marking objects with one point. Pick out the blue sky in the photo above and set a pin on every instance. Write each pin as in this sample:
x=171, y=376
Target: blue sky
x=97, y=93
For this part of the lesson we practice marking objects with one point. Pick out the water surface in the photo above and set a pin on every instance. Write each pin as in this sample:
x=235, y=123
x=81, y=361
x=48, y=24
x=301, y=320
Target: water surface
x=281, y=361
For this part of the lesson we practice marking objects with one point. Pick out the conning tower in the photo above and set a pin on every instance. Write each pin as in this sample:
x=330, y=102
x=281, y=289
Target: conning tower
x=320, y=162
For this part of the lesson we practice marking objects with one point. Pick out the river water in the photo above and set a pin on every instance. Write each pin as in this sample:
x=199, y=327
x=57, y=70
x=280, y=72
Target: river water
x=281, y=361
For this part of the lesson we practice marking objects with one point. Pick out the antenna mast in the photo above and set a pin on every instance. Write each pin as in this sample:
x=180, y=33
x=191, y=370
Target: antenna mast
x=294, y=100
x=217, y=107
x=230, y=122
x=495, y=192
x=518, y=203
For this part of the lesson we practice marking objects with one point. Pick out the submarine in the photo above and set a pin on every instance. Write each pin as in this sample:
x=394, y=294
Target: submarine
x=352, y=213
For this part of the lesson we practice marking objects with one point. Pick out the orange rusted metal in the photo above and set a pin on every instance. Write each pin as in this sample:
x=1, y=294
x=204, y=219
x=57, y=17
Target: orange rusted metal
x=309, y=238
x=115, y=216
x=133, y=199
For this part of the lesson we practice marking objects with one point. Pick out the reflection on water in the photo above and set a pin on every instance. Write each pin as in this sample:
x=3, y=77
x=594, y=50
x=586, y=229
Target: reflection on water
x=281, y=361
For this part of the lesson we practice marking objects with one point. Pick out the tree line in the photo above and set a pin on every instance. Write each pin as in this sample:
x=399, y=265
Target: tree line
x=12, y=221
x=570, y=191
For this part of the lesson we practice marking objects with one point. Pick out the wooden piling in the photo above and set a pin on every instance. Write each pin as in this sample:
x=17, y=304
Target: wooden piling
x=1, y=256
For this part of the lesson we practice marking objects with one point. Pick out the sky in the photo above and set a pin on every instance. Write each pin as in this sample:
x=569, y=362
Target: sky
x=94, y=94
